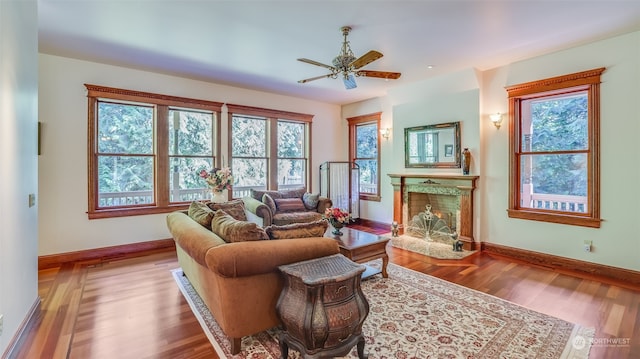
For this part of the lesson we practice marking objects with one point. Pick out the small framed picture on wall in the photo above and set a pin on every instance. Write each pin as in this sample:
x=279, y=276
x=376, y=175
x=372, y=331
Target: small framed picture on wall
x=448, y=150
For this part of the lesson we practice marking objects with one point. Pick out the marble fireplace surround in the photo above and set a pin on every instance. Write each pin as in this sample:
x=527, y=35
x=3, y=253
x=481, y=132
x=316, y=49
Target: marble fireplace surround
x=456, y=191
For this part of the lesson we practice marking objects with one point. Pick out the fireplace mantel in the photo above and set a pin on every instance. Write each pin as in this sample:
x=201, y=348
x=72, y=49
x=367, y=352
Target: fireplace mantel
x=459, y=186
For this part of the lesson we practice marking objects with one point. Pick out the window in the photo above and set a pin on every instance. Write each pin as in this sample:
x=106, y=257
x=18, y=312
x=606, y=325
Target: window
x=191, y=149
x=269, y=149
x=554, y=171
x=145, y=151
x=292, y=159
x=364, y=144
x=249, y=153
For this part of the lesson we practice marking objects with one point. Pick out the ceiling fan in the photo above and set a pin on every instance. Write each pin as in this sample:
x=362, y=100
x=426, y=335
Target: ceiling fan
x=348, y=66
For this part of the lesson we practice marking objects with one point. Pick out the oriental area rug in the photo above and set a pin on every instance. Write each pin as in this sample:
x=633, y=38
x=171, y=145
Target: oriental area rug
x=416, y=316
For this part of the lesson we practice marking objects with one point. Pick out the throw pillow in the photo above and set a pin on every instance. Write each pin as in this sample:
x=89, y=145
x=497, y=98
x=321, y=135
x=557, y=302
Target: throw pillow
x=297, y=230
x=284, y=205
x=232, y=230
x=200, y=213
x=268, y=200
x=310, y=200
x=234, y=208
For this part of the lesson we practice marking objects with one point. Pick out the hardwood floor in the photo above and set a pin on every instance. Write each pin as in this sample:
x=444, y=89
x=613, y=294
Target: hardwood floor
x=131, y=308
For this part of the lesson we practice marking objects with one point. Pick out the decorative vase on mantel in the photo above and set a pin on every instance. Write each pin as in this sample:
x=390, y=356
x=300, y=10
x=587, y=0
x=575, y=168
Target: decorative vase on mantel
x=466, y=161
x=218, y=197
x=336, y=226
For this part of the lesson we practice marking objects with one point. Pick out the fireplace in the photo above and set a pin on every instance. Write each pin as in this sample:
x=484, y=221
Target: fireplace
x=450, y=197
x=443, y=206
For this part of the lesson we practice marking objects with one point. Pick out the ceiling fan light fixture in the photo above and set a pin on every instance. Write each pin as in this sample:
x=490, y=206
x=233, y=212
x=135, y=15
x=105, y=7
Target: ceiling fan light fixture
x=348, y=65
x=349, y=81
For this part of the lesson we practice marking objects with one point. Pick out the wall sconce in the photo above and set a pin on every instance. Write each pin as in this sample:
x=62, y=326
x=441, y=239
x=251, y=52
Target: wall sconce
x=385, y=132
x=496, y=118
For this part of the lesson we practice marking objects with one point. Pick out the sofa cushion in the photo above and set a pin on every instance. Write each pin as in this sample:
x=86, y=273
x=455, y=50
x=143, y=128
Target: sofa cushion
x=234, y=208
x=258, y=194
x=289, y=205
x=201, y=213
x=295, y=217
x=232, y=230
x=310, y=200
x=297, y=230
x=270, y=202
x=291, y=193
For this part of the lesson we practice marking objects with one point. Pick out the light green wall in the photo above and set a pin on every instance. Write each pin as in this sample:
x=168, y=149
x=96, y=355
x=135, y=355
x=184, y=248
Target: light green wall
x=450, y=98
x=470, y=96
x=617, y=242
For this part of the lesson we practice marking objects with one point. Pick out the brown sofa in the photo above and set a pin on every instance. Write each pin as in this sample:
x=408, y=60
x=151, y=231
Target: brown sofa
x=285, y=206
x=239, y=282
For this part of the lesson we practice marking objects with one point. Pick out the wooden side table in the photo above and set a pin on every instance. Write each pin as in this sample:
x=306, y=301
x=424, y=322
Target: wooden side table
x=322, y=308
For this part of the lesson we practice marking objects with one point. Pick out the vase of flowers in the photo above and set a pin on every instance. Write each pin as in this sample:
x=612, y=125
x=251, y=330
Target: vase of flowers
x=338, y=218
x=218, y=180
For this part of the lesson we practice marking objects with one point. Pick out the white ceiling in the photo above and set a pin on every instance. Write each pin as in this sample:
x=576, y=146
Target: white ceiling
x=255, y=44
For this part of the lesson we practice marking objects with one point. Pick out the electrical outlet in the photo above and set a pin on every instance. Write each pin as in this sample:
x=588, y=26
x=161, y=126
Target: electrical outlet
x=1, y=323
x=587, y=245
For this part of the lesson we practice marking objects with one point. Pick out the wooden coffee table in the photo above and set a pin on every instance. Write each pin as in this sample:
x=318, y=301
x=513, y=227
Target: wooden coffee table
x=362, y=247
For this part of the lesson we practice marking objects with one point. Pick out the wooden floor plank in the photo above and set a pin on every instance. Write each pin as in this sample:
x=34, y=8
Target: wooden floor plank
x=614, y=319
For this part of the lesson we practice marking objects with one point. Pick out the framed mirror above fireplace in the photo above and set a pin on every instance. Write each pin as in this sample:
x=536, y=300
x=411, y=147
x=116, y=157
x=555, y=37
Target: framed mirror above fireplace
x=432, y=146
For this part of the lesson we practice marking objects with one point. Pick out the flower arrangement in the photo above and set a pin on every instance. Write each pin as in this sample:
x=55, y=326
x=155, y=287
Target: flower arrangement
x=337, y=217
x=218, y=179
x=334, y=214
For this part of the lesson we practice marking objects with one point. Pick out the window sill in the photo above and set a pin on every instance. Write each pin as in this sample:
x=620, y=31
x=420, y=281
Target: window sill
x=370, y=197
x=561, y=218
x=128, y=212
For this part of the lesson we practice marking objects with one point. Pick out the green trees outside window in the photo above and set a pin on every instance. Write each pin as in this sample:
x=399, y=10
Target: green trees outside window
x=367, y=156
x=555, y=145
x=125, y=152
x=249, y=151
x=364, y=149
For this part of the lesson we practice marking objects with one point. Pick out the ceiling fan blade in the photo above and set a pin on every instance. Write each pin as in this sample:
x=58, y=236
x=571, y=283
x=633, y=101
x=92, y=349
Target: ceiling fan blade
x=317, y=63
x=379, y=74
x=367, y=58
x=349, y=81
x=314, y=78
